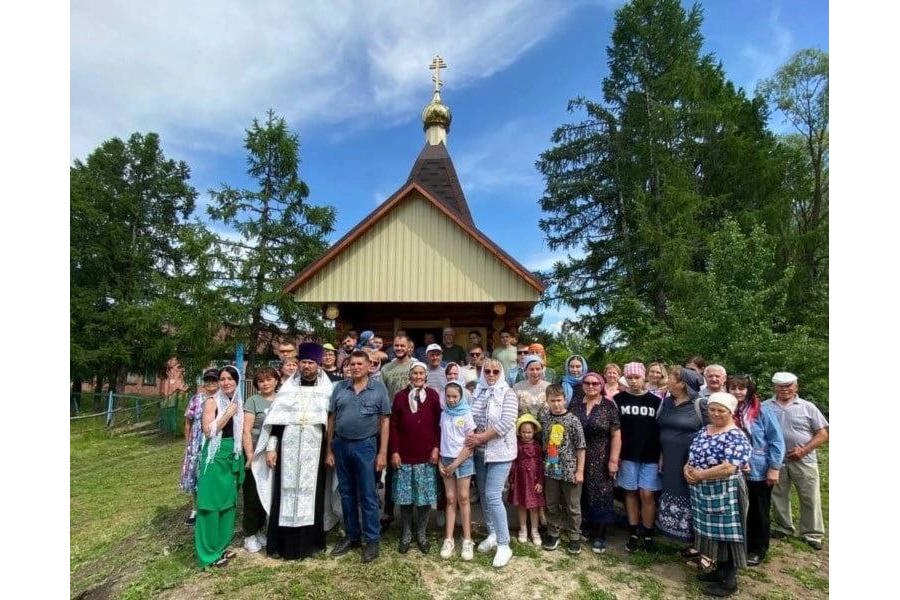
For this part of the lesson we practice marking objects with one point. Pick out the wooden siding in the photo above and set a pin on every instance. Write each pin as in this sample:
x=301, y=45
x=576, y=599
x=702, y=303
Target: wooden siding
x=416, y=254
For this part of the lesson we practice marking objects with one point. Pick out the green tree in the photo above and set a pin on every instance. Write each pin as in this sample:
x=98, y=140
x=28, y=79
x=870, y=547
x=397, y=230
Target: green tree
x=279, y=234
x=799, y=91
x=128, y=208
x=641, y=182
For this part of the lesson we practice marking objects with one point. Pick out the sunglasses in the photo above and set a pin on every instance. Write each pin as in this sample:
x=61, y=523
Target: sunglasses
x=522, y=352
x=590, y=383
x=474, y=354
x=492, y=371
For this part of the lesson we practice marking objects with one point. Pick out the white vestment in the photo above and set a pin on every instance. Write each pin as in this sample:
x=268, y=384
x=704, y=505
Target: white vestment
x=303, y=410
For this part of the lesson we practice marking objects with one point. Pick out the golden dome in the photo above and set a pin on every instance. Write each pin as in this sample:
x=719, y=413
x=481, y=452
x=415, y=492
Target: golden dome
x=436, y=113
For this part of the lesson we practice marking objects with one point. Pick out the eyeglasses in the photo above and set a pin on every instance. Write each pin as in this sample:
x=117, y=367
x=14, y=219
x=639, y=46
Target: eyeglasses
x=492, y=371
x=590, y=383
x=474, y=354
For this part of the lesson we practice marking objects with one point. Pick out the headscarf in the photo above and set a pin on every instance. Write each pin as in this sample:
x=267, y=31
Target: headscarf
x=416, y=395
x=496, y=391
x=569, y=380
x=692, y=382
x=528, y=360
x=462, y=407
x=215, y=436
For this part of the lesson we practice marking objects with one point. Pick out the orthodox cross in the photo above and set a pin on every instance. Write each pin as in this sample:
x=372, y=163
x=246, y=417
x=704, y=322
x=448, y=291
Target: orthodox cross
x=437, y=63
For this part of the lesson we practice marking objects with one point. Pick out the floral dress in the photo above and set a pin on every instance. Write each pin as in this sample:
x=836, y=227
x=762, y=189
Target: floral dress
x=194, y=412
x=598, y=487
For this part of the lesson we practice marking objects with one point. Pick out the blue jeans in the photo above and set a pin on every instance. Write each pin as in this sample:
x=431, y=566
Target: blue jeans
x=354, y=461
x=491, y=477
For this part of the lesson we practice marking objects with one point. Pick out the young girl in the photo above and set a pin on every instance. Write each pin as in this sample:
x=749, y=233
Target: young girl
x=456, y=463
x=526, y=479
x=193, y=437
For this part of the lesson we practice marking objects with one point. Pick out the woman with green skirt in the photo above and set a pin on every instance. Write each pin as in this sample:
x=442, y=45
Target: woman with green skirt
x=221, y=471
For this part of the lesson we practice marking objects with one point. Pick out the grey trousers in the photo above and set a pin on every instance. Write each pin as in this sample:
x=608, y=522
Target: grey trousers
x=805, y=477
x=563, y=507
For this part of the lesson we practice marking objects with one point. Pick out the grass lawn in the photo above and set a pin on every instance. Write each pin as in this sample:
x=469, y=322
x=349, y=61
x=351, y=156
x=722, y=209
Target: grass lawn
x=128, y=540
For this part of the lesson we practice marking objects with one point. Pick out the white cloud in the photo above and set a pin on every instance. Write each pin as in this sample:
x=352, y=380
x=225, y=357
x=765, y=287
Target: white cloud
x=764, y=59
x=197, y=72
x=504, y=157
x=541, y=261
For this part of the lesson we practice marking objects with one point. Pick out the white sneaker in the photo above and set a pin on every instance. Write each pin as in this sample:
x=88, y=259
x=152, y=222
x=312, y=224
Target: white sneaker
x=504, y=553
x=523, y=536
x=447, y=548
x=251, y=544
x=261, y=538
x=468, y=550
x=488, y=543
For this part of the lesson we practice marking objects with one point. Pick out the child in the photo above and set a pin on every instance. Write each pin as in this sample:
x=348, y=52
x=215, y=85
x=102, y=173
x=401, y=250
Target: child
x=564, y=448
x=457, y=467
x=641, y=450
x=193, y=437
x=526, y=479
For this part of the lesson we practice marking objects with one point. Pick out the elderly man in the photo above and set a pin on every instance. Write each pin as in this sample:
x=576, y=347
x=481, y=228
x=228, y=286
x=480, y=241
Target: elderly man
x=452, y=351
x=715, y=376
x=435, y=377
x=805, y=429
x=289, y=462
x=358, y=426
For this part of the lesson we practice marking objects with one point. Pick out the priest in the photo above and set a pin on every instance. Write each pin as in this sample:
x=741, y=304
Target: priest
x=289, y=462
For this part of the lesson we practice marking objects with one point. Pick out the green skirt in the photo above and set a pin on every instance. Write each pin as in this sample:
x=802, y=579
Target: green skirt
x=218, y=484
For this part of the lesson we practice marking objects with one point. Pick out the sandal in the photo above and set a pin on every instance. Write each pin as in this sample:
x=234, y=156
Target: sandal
x=704, y=563
x=221, y=562
x=690, y=553
x=229, y=554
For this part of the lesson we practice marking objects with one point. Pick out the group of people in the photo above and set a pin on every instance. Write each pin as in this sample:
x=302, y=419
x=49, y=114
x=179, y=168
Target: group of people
x=697, y=454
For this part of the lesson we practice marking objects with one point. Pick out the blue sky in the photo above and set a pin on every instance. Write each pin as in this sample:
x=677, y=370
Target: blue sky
x=351, y=77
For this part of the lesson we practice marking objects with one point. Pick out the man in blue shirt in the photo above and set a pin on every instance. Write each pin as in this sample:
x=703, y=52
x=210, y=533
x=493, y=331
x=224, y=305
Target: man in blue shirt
x=357, y=445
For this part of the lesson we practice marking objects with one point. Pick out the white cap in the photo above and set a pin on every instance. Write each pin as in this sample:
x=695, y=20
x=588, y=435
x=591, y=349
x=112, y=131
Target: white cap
x=784, y=378
x=433, y=348
x=725, y=399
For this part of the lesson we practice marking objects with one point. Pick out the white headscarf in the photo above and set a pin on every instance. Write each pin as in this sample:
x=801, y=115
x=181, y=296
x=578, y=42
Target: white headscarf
x=416, y=395
x=215, y=435
x=495, y=393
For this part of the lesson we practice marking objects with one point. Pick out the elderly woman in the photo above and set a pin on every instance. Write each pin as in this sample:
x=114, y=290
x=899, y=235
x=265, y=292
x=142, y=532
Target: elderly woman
x=531, y=392
x=600, y=421
x=494, y=408
x=288, y=368
x=414, y=446
x=265, y=380
x=761, y=425
x=719, y=494
x=680, y=417
x=576, y=367
x=221, y=471
x=329, y=363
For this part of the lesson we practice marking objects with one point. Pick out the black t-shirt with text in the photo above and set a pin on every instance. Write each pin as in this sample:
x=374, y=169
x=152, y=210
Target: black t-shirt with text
x=640, y=429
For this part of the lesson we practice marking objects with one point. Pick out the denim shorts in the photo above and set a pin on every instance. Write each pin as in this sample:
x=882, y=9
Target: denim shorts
x=634, y=475
x=465, y=469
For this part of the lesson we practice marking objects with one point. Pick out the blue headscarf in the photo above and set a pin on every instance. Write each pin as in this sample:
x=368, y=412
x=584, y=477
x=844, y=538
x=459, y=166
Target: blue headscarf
x=462, y=407
x=569, y=381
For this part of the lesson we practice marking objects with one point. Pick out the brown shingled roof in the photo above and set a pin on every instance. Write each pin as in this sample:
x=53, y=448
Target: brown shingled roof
x=433, y=170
